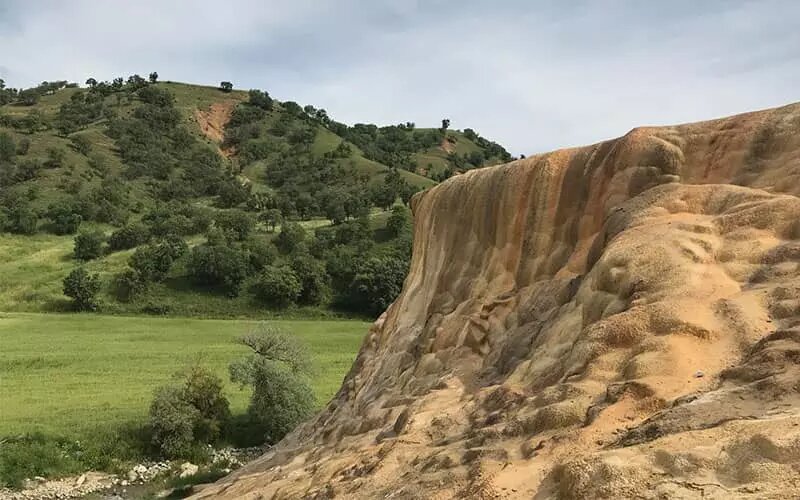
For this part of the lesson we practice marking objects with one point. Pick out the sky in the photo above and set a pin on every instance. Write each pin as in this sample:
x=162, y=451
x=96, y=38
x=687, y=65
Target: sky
x=532, y=75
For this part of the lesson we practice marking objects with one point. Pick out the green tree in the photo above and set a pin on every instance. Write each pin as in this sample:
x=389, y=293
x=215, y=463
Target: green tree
x=82, y=288
x=290, y=237
x=82, y=144
x=271, y=218
x=219, y=265
x=399, y=221
x=377, y=283
x=91, y=82
x=8, y=150
x=188, y=414
x=276, y=372
x=277, y=286
x=89, y=245
x=235, y=224
x=313, y=278
x=226, y=86
x=153, y=77
x=129, y=236
x=65, y=218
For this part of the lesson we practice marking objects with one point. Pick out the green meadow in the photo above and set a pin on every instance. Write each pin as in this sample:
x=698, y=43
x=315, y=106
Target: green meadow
x=71, y=374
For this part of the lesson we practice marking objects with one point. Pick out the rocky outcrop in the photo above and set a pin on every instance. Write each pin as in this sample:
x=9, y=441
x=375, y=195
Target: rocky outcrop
x=618, y=320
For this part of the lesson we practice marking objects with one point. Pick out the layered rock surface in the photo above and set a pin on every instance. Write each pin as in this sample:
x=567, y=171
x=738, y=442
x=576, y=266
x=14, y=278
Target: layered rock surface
x=619, y=320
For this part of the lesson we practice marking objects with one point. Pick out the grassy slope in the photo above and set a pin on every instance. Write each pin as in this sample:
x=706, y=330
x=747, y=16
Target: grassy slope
x=69, y=374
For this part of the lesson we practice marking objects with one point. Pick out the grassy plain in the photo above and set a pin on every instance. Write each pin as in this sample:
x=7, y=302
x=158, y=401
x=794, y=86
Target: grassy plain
x=71, y=374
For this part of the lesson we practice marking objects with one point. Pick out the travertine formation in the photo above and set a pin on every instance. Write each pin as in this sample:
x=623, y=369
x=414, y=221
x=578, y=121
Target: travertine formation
x=620, y=320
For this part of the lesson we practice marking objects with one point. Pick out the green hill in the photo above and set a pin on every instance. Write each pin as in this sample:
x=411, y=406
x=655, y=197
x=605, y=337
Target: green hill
x=201, y=201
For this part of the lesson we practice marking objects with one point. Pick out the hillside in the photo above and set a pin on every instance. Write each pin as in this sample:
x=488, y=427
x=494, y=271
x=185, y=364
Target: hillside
x=161, y=180
x=619, y=320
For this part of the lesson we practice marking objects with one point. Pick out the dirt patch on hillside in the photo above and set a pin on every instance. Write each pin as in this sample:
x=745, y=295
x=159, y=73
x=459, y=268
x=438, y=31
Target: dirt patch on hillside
x=213, y=120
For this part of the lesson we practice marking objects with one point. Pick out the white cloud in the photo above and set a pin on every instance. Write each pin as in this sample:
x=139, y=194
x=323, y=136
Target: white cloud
x=531, y=75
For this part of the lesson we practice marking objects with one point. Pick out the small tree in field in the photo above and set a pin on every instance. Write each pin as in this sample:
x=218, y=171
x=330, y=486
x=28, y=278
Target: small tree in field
x=226, y=86
x=82, y=288
x=276, y=371
x=153, y=77
x=89, y=245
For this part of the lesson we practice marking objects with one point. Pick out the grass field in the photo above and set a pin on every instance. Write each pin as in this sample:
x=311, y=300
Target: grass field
x=70, y=374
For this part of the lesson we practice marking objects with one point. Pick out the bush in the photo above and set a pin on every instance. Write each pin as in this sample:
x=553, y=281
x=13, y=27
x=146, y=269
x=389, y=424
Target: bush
x=82, y=144
x=33, y=455
x=275, y=371
x=219, y=265
x=260, y=252
x=89, y=245
x=376, y=285
x=277, y=286
x=235, y=224
x=8, y=149
x=154, y=261
x=194, y=412
x=290, y=237
x=65, y=218
x=129, y=285
x=314, y=280
x=127, y=237
x=82, y=288
x=399, y=222
x=23, y=146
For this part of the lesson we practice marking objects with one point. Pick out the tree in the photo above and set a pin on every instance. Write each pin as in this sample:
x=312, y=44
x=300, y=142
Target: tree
x=277, y=286
x=271, y=218
x=82, y=144
x=129, y=236
x=89, y=245
x=235, y=224
x=8, y=149
x=65, y=217
x=445, y=124
x=377, y=283
x=193, y=412
x=219, y=265
x=290, y=237
x=276, y=371
x=82, y=288
x=226, y=86
x=91, y=82
x=314, y=280
x=153, y=77
x=399, y=221
x=154, y=261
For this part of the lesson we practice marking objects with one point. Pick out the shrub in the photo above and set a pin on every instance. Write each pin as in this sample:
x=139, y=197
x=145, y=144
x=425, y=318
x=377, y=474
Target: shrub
x=219, y=265
x=65, y=218
x=34, y=455
x=235, y=224
x=129, y=285
x=82, y=288
x=154, y=261
x=399, y=221
x=127, y=237
x=260, y=253
x=290, y=237
x=314, y=286
x=89, y=245
x=277, y=286
x=82, y=144
x=194, y=412
x=8, y=149
x=376, y=285
x=23, y=146
x=275, y=371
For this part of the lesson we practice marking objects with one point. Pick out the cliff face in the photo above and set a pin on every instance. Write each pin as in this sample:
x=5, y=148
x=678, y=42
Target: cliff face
x=617, y=320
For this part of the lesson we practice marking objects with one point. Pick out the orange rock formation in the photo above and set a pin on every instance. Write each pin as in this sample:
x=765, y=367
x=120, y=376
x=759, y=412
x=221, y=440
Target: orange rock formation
x=614, y=321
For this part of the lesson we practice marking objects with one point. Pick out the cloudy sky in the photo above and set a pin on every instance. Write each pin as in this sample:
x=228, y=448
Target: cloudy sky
x=533, y=75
